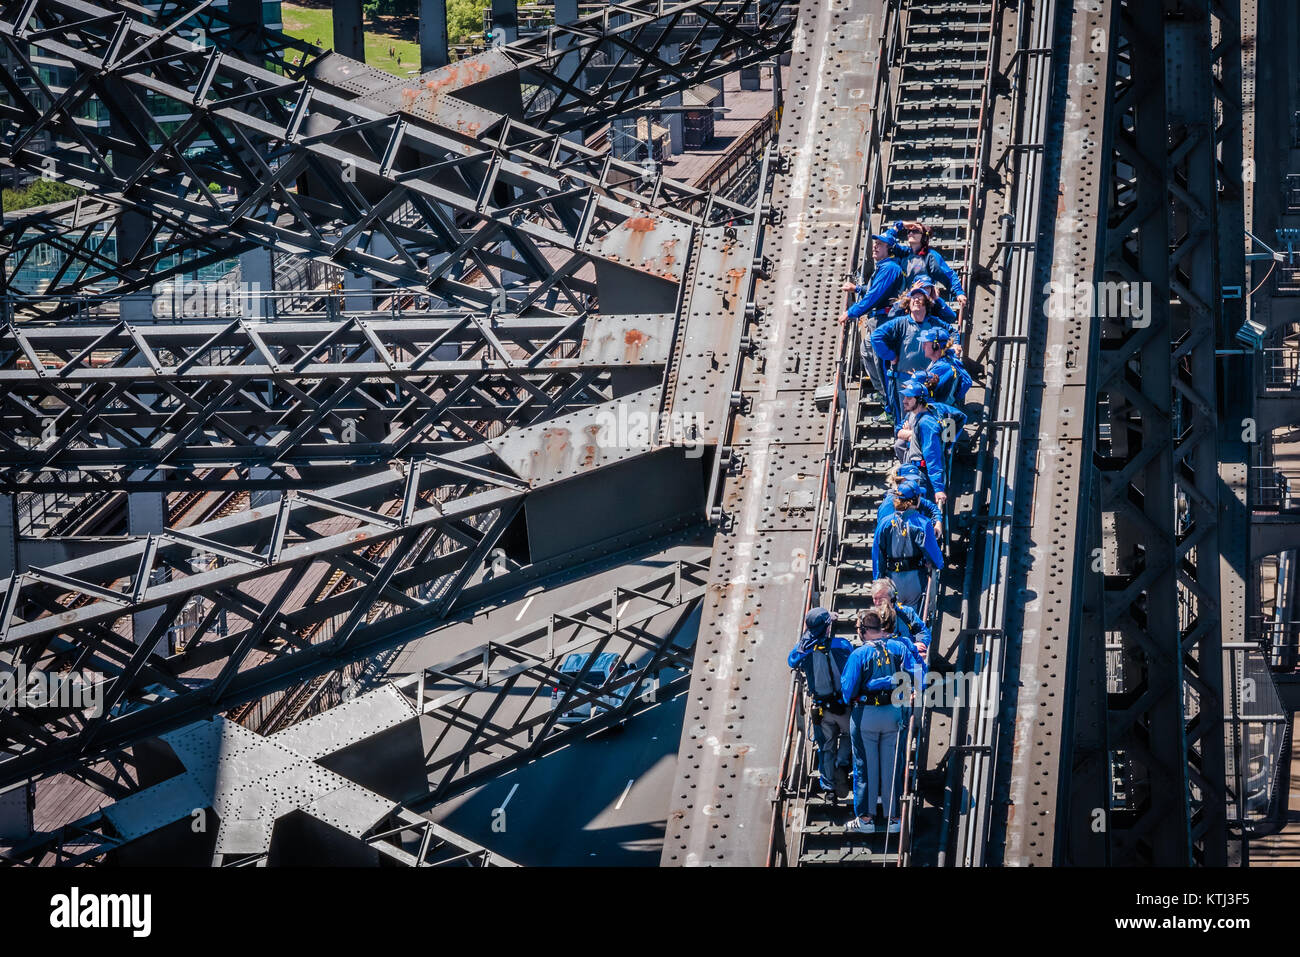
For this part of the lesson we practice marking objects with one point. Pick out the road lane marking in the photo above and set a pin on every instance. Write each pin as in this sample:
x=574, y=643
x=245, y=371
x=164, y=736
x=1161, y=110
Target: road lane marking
x=619, y=805
x=509, y=796
x=523, y=611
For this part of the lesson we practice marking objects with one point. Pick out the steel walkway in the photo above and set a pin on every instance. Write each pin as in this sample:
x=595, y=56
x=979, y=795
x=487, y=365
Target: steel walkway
x=774, y=452
x=939, y=77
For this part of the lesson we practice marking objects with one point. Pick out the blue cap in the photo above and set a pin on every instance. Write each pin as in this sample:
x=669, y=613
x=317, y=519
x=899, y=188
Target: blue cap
x=908, y=490
x=935, y=335
x=817, y=621
x=915, y=390
x=910, y=470
x=882, y=239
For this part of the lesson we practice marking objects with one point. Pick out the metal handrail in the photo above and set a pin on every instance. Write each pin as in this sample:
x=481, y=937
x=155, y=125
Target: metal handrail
x=793, y=768
x=1282, y=368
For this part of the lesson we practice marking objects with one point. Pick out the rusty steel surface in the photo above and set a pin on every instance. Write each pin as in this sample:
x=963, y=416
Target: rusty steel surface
x=627, y=339
x=727, y=767
x=570, y=445
x=647, y=243
x=708, y=348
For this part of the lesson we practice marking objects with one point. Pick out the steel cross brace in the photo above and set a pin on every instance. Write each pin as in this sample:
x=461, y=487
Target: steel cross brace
x=531, y=189
x=174, y=398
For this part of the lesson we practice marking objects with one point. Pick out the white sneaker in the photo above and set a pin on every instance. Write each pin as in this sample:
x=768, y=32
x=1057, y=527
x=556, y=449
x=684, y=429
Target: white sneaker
x=859, y=826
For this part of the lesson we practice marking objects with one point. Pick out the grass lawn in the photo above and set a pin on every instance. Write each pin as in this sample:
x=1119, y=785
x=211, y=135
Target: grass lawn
x=316, y=25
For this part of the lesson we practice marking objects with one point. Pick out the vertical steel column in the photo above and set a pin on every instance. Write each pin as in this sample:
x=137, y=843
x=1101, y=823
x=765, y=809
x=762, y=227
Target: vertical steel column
x=566, y=12
x=349, y=30
x=1195, y=298
x=133, y=231
x=1236, y=368
x=146, y=515
x=505, y=20
x=433, y=35
x=8, y=535
x=1158, y=444
x=1135, y=457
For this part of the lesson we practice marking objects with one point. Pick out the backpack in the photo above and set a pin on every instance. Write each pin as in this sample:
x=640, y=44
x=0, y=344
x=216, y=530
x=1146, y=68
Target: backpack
x=964, y=380
x=903, y=554
x=824, y=675
x=882, y=664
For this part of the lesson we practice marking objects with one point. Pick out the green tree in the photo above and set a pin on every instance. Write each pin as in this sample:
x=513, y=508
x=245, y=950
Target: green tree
x=464, y=18
x=42, y=192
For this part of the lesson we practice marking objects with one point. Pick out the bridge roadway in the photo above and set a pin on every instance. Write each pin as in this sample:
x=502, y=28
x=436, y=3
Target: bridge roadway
x=727, y=770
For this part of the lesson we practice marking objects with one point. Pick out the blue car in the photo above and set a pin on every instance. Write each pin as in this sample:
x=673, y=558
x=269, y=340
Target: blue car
x=605, y=669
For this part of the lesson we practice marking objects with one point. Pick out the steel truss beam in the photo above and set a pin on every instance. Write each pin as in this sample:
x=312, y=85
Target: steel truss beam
x=472, y=701
x=279, y=593
x=400, y=192
x=408, y=542
x=470, y=707
x=413, y=190
x=1156, y=392
x=80, y=230
x=170, y=399
x=435, y=845
x=729, y=761
x=623, y=45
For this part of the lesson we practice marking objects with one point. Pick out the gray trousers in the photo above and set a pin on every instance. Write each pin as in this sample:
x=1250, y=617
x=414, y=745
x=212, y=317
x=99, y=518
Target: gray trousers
x=834, y=749
x=876, y=729
x=911, y=586
x=871, y=361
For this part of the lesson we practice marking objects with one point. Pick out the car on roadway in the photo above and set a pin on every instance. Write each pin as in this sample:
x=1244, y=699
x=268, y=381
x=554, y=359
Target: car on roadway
x=604, y=669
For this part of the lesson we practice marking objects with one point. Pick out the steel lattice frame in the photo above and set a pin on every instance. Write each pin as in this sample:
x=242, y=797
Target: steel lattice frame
x=466, y=696
x=335, y=161
x=466, y=700
x=408, y=542
x=388, y=556
x=80, y=230
x=135, y=407
x=1156, y=387
x=714, y=38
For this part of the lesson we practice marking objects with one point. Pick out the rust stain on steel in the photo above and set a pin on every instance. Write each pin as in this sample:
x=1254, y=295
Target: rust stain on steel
x=553, y=452
x=589, y=451
x=634, y=339
x=669, y=257
x=640, y=224
x=736, y=275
